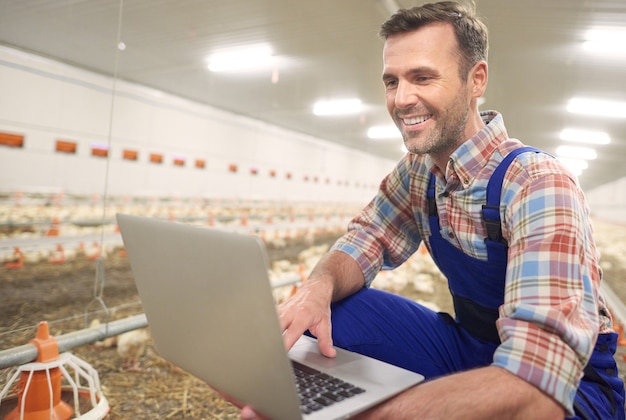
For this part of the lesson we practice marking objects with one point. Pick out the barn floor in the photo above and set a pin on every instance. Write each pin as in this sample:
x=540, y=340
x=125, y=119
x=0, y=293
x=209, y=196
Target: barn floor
x=61, y=294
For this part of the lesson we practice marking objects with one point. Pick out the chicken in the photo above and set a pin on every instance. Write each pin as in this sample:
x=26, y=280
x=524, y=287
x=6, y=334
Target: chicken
x=107, y=342
x=131, y=346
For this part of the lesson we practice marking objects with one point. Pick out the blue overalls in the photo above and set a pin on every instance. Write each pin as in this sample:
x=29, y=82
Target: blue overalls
x=402, y=332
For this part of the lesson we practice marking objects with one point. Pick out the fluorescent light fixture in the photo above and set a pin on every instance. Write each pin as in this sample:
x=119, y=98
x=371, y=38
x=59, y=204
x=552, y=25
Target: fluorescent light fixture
x=584, y=136
x=338, y=107
x=245, y=58
x=383, y=132
x=597, y=107
x=575, y=165
x=586, y=153
x=610, y=41
x=574, y=170
x=391, y=6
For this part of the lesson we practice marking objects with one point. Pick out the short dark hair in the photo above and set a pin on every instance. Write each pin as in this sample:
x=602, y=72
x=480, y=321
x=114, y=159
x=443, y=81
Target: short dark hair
x=471, y=33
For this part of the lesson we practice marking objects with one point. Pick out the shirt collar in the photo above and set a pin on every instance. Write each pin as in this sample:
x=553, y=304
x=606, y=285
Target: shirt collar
x=471, y=156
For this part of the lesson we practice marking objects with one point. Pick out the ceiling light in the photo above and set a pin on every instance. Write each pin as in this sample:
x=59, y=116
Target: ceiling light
x=338, y=107
x=248, y=58
x=391, y=6
x=610, y=41
x=597, y=107
x=574, y=170
x=585, y=136
x=382, y=132
x=576, y=152
x=575, y=165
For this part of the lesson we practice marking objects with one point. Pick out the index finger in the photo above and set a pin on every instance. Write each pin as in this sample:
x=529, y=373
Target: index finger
x=321, y=330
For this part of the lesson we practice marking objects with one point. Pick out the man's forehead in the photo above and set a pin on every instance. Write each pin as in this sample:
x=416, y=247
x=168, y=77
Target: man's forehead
x=433, y=36
x=433, y=44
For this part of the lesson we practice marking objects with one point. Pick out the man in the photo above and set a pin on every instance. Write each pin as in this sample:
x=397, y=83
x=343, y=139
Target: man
x=529, y=315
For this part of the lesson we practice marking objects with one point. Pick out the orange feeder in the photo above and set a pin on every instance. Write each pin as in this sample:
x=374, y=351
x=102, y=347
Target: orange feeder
x=621, y=341
x=18, y=260
x=54, y=228
x=40, y=394
x=39, y=391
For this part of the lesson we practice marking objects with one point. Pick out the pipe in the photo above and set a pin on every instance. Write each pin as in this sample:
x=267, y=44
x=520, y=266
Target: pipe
x=287, y=280
x=28, y=352
x=616, y=306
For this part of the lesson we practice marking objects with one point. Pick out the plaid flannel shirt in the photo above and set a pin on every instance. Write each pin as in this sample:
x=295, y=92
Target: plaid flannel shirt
x=552, y=309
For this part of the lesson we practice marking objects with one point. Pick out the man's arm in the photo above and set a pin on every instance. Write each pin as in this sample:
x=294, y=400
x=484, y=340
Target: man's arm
x=485, y=393
x=334, y=277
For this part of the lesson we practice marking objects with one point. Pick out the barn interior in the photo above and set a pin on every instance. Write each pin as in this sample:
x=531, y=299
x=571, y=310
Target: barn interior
x=120, y=106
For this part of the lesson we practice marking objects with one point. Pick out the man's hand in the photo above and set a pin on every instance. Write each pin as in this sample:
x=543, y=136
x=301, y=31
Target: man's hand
x=334, y=277
x=308, y=309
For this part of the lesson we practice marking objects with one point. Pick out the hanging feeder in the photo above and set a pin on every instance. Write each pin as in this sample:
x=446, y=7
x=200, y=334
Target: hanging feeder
x=54, y=387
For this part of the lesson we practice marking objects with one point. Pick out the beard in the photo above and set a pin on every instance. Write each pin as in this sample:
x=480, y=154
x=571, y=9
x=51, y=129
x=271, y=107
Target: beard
x=445, y=136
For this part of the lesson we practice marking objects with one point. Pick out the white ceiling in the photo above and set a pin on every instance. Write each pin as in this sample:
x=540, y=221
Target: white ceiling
x=330, y=48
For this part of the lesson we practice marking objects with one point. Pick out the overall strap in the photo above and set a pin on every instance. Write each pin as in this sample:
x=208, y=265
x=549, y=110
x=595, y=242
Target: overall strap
x=491, y=210
x=476, y=286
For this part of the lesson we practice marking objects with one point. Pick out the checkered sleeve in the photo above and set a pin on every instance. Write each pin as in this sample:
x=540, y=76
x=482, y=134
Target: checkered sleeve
x=384, y=234
x=549, y=321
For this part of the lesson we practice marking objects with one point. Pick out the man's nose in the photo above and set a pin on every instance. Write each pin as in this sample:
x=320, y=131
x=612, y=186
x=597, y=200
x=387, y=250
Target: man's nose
x=406, y=95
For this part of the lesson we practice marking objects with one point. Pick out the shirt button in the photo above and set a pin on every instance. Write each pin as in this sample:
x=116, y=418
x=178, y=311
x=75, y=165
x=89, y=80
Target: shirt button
x=451, y=235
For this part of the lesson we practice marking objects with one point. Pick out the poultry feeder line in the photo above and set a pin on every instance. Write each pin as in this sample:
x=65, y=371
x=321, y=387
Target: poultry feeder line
x=39, y=388
x=28, y=352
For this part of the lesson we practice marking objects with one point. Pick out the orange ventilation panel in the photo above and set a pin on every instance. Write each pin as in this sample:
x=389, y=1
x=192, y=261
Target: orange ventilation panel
x=156, y=158
x=11, y=140
x=99, y=150
x=66, y=146
x=128, y=154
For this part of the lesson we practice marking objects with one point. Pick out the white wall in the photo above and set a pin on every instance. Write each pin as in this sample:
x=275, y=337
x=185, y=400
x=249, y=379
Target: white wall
x=46, y=100
x=608, y=201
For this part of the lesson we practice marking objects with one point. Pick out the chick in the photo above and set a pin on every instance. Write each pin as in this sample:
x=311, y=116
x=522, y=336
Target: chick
x=131, y=346
x=107, y=342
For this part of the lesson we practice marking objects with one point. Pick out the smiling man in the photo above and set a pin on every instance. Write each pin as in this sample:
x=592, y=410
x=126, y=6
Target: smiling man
x=507, y=225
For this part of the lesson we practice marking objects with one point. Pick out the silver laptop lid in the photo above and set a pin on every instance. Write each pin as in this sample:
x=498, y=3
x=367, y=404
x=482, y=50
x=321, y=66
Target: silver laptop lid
x=176, y=267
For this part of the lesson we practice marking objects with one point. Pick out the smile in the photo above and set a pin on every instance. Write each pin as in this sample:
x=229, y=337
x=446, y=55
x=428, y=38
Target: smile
x=416, y=120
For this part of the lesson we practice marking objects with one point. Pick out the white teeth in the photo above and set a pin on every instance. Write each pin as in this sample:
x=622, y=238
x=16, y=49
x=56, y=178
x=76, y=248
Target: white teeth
x=416, y=120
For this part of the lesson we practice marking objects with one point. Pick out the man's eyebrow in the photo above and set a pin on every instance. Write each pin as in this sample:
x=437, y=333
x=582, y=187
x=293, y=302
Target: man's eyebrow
x=412, y=72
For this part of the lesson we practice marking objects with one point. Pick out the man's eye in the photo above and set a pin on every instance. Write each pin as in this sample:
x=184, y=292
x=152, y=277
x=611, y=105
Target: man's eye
x=390, y=84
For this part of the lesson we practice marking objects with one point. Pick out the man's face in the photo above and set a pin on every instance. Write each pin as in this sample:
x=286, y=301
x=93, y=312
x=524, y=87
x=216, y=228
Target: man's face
x=425, y=95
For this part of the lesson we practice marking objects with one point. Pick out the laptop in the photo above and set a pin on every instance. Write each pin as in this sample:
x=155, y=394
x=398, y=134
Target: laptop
x=209, y=304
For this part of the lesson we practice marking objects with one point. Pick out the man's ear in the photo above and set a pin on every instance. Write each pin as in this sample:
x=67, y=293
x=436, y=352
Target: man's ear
x=478, y=79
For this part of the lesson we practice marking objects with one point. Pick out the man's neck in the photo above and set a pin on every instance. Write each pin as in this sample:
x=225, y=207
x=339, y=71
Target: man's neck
x=474, y=125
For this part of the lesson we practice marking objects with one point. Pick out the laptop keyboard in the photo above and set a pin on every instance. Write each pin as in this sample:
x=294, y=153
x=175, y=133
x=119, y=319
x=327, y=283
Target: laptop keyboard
x=318, y=390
